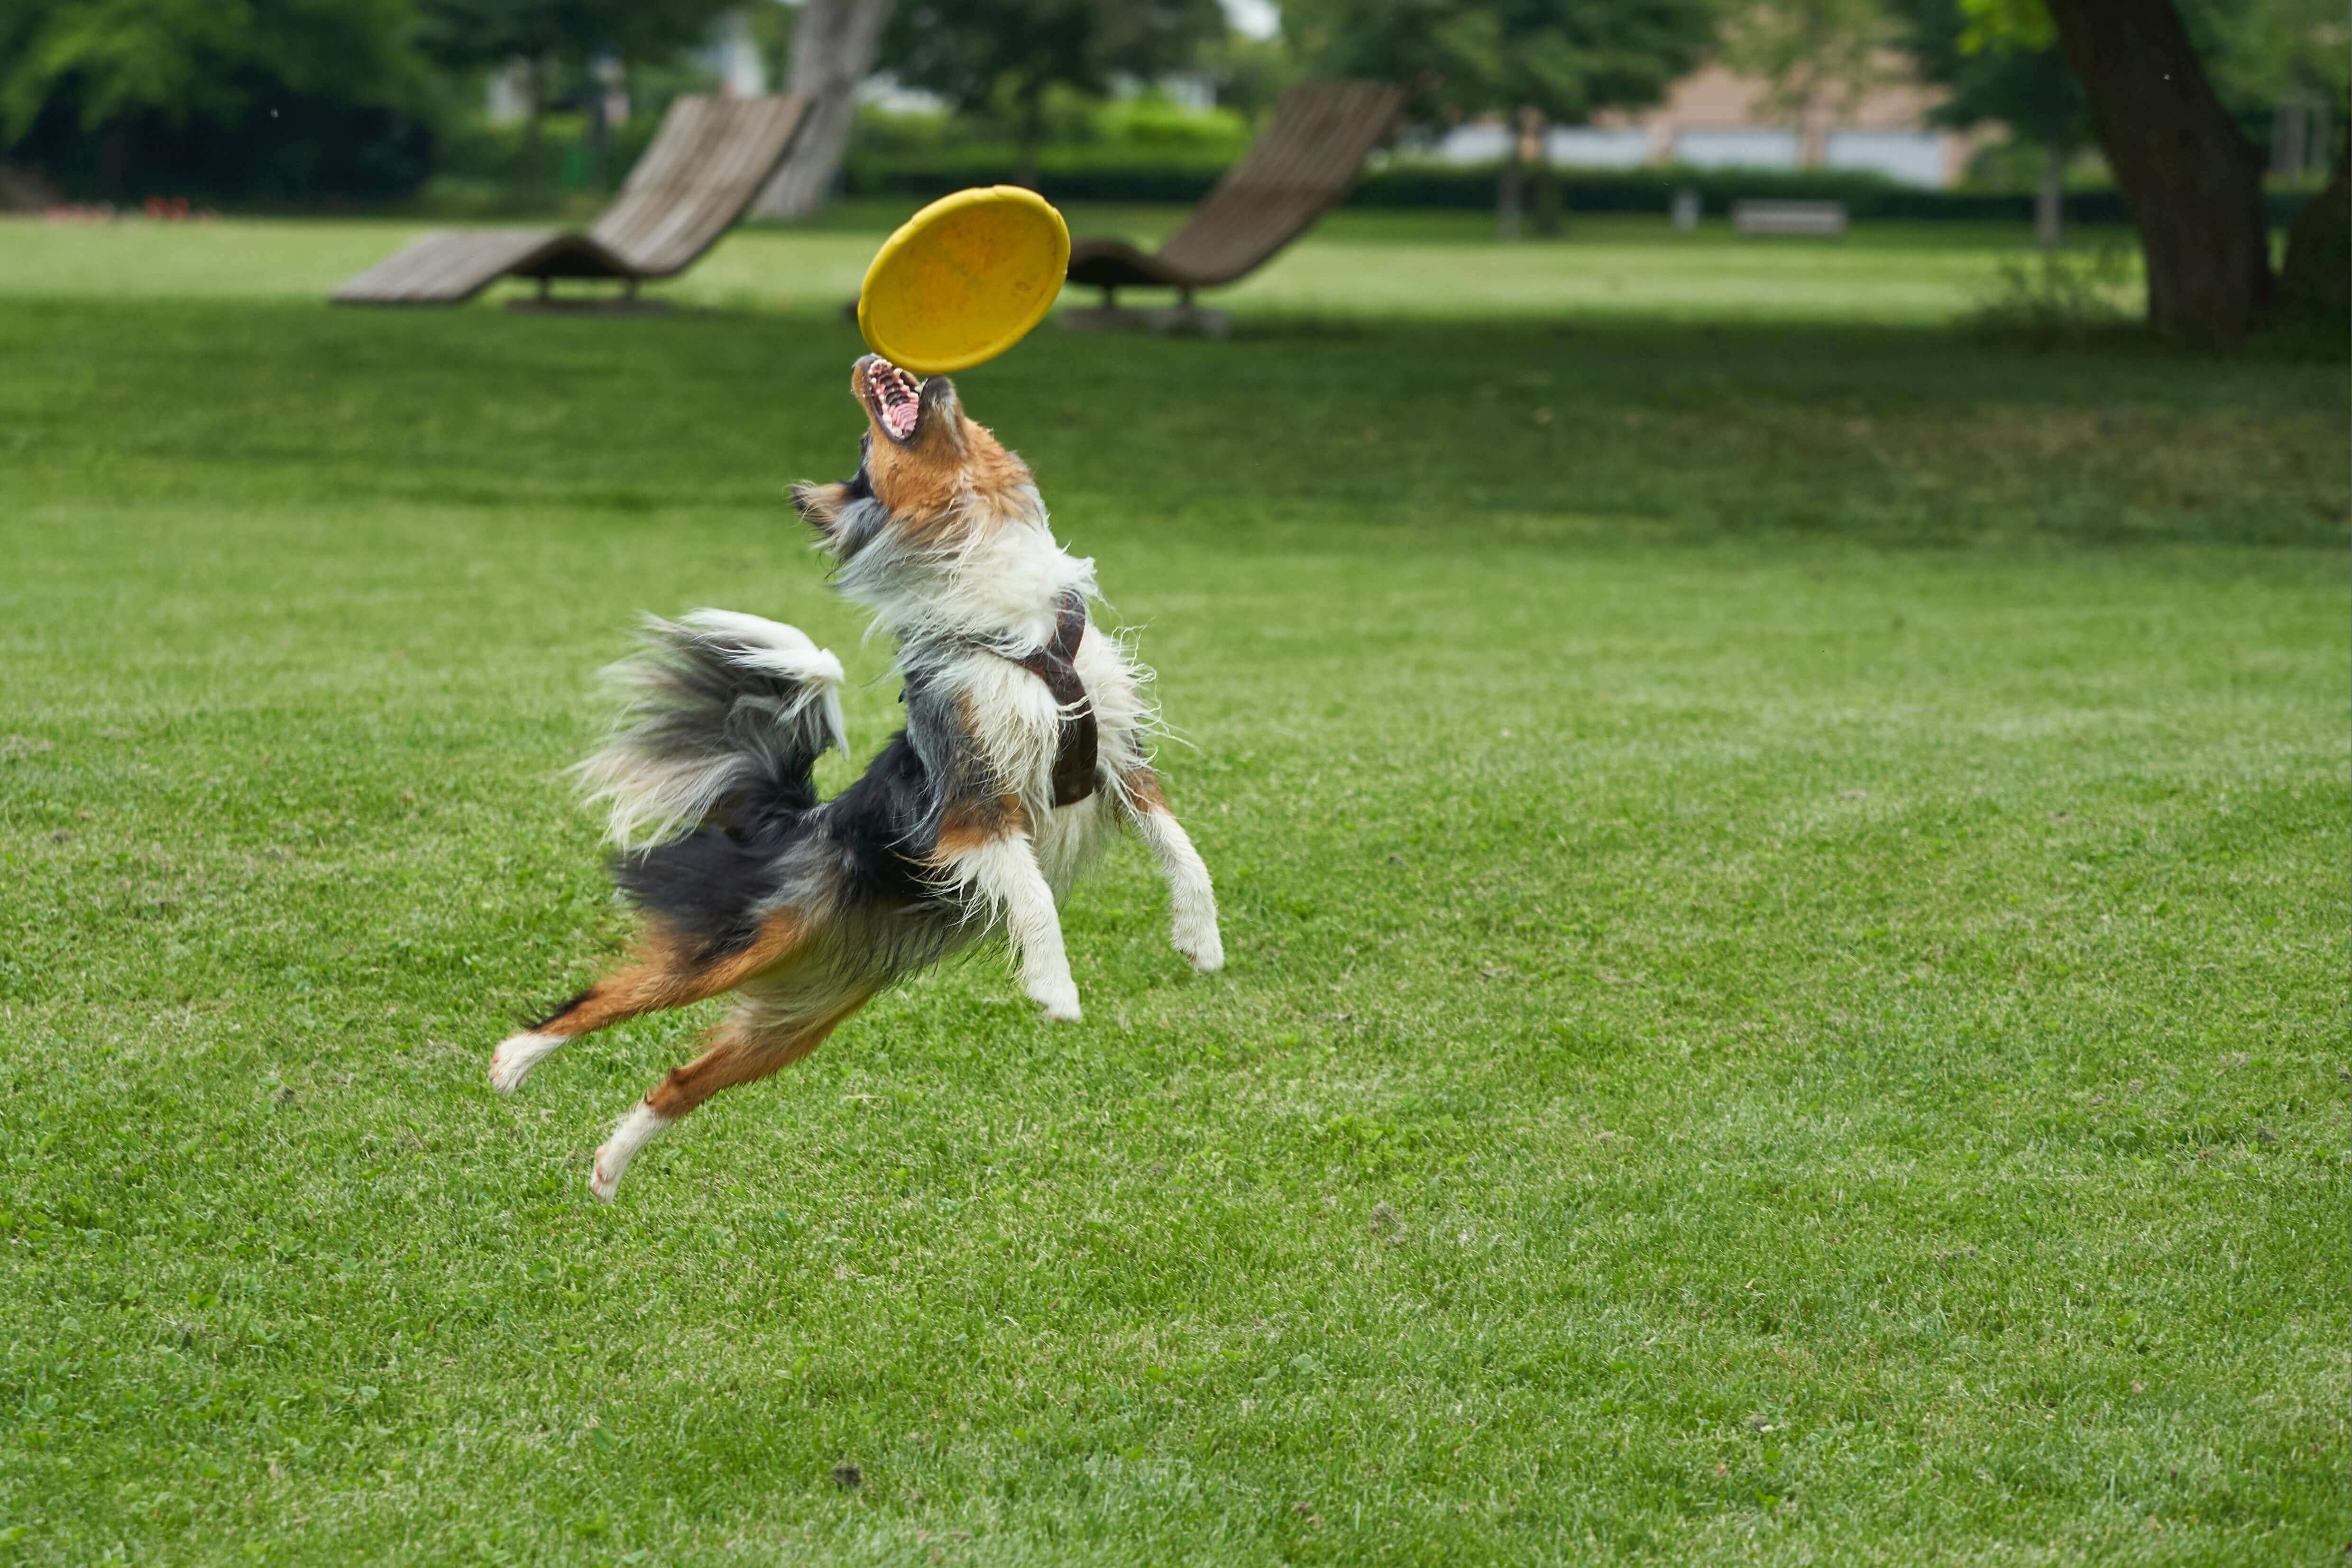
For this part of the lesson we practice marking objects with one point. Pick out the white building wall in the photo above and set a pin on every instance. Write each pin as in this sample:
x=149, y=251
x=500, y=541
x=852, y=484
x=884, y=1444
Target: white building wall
x=1748, y=148
x=1910, y=157
x=1588, y=147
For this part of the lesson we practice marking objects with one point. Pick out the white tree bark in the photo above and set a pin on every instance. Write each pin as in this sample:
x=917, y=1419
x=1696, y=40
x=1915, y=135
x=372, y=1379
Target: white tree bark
x=834, y=45
x=2050, y=198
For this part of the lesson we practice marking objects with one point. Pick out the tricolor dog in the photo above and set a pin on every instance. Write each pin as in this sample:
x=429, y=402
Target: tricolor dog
x=1024, y=753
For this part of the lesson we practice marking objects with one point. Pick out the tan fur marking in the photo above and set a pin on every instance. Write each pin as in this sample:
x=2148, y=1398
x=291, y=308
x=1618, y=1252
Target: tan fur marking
x=819, y=504
x=968, y=824
x=922, y=485
x=992, y=469
x=664, y=975
x=740, y=1052
x=918, y=484
x=1142, y=787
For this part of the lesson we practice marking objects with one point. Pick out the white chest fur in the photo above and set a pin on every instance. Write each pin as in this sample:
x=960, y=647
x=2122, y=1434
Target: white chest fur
x=1018, y=726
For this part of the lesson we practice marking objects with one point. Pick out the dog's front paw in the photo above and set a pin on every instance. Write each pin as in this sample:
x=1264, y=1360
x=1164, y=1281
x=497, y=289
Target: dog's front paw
x=1059, y=997
x=1198, y=940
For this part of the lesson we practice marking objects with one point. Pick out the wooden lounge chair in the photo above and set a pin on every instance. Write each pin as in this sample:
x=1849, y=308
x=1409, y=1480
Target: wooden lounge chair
x=709, y=159
x=1293, y=176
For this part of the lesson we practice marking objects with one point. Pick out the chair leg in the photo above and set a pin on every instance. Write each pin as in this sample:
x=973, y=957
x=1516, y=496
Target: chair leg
x=1184, y=317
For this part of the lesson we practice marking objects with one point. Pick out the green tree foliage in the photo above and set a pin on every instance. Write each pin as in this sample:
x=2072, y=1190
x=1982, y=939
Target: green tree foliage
x=2008, y=73
x=2257, y=53
x=492, y=32
x=2001, y=67
x=1818, y=58
x=545, y=35
x=1002, y=55
x=1533, y=60
x=204, y=59
x=2263, y=54
x=1564, y=58
x=290, y=97
x=1999, y=62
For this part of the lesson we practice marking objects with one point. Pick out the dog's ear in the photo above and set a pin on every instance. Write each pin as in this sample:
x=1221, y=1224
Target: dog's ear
x=820, y=506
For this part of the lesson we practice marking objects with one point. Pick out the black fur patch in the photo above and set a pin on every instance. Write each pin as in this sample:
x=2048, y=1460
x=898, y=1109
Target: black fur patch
x=563, y=1008
x=882, y=823
x=712, y=885
x=706, y=887
x=863, y=853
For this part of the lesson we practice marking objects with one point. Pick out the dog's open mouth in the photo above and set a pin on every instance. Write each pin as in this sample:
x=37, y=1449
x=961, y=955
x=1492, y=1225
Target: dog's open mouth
x=894, y=397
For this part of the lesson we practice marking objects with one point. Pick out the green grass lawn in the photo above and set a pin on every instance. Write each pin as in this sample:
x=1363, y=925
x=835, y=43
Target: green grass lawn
x=1395, y=266
x=1785, y=885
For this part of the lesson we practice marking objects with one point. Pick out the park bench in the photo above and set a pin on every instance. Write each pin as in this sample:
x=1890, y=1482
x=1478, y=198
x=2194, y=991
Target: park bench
x=1822, y=218
x=1292, y=176
x=709, y=159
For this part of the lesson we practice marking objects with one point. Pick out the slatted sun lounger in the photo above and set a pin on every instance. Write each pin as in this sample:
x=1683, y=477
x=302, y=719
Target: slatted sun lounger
x=1295, y=173
x=709, y=159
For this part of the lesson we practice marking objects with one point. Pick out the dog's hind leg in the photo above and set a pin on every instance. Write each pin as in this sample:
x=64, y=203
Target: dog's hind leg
x=1193, y=902
x=666, y=975
x=754, y=1041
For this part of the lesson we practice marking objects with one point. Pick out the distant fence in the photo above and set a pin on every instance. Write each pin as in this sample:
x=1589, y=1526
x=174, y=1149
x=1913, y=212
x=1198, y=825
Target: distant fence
x=1472, y=189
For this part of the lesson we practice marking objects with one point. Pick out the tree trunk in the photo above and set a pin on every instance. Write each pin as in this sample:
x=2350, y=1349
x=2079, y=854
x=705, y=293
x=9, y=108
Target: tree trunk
x=1030, y=133
x=2193, y=180
x=600, y=138
x=534, y=86
x=1812, y=130
x=1543, y=202
x=1510, y=191
x=114, y=158
x=2318, y=276
x=1543, y=186
x=834, y=45
x=2050, y=198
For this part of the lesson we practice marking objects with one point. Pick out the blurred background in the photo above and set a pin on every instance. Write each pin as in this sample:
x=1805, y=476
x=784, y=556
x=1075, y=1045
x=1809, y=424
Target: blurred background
x=1951, y=111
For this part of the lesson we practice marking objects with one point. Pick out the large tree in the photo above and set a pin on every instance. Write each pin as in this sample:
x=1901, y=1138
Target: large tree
x=2272, y=54
x=2174, y=133
x=1004, y=55
x=834, y=44
x=2265, y=53
x=543, y=34
x=1533, y=61
x=1817, y=58
x=2018, y=80
x=118, y=71
x=2192, y=178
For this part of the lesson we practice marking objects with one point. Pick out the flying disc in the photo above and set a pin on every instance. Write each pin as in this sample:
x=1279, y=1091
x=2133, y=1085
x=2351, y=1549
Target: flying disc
x=964, y=279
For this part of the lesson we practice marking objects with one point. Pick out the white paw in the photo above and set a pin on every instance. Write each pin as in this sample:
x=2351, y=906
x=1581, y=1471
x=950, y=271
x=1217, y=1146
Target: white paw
x=515, y=1057
x=1198, y=941
x=603, y=1180
x=1059, y=997
x=637, y=1130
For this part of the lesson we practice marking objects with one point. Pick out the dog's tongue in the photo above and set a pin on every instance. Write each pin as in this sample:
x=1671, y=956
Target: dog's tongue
x=902, y=396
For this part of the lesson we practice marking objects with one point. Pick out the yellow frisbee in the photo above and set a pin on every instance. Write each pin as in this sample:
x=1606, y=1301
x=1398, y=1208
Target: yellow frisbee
x=964, y=279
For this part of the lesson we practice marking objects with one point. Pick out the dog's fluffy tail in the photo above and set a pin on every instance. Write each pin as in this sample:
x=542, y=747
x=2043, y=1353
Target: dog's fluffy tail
x=726, y=717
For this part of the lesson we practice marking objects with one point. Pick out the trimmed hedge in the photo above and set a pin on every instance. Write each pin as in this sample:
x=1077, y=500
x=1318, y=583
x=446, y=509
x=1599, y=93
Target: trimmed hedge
x=1080, y=179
